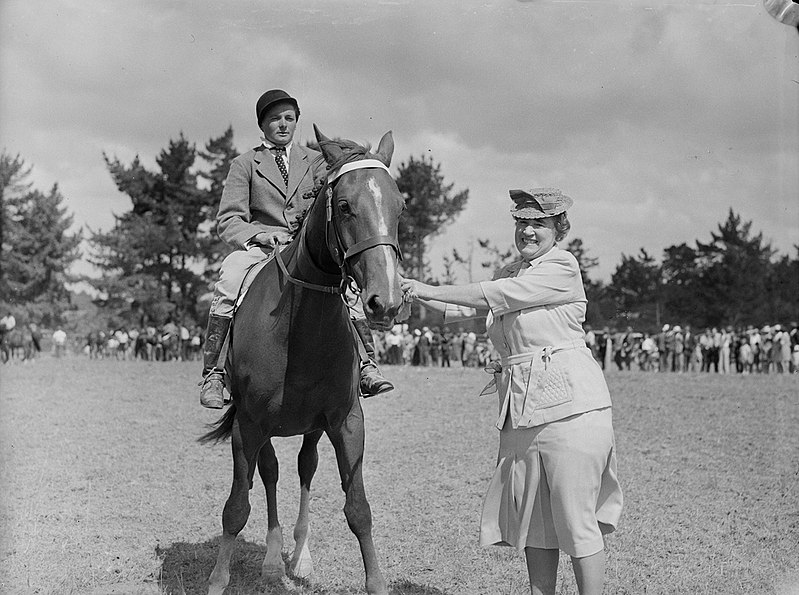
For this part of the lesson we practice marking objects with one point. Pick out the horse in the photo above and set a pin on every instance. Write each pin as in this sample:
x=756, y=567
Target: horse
x=96, y=341
x=293, y=365
x=17, y=343
x=168, y=346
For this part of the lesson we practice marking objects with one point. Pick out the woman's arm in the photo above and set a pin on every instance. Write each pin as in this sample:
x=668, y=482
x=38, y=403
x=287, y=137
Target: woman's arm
x=470, y=295
x=435, y=305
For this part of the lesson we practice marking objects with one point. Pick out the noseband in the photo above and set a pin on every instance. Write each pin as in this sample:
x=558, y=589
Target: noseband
x=340, y=251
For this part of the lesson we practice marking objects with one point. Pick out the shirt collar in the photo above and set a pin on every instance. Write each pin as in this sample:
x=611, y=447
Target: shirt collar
x=266, y=144
x=525, y=265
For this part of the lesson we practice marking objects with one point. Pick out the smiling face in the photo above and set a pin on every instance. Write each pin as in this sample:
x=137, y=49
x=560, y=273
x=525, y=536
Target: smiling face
x=279, y=123
x=534, y=237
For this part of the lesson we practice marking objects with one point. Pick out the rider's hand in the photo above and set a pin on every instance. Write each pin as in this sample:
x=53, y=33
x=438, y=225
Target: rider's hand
x=269, y=239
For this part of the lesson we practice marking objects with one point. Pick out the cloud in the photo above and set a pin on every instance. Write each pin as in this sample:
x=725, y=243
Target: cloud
x=656, y=119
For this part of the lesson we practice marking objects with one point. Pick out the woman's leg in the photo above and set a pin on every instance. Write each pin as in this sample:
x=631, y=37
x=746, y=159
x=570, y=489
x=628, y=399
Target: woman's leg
x=589, y=573
x=542, y=568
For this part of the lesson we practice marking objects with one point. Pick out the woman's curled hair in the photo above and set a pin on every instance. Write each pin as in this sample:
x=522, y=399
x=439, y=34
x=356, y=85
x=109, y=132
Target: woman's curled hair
x=562, y=226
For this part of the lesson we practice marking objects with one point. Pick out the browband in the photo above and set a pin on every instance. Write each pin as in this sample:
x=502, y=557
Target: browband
x=362, y=164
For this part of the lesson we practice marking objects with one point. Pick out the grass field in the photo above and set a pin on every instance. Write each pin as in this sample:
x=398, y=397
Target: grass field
x=105, y=490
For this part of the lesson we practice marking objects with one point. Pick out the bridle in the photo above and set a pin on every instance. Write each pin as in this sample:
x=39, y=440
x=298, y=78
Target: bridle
x=340, y=252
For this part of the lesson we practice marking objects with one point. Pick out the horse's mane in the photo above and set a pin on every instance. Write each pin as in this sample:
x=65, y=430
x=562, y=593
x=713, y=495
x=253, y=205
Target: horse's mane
x=351, y=151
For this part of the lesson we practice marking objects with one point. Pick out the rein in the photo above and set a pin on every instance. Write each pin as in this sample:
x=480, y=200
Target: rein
x=300, y=282
x=340, y=252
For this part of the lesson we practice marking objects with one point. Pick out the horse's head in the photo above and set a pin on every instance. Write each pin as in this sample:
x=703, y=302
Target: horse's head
x=364, y=208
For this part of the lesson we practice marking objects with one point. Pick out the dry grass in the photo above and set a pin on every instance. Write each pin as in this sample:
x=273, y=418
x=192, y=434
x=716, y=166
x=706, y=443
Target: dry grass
x=104, y=489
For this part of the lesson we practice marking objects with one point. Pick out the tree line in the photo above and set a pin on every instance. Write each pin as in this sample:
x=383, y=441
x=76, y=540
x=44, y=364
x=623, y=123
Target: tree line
x=159, y=260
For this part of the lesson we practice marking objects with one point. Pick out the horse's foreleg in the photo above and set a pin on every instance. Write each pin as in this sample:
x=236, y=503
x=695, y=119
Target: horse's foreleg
x=272, y=567
x=307, y=461
x=235, y=513
x=348, y=441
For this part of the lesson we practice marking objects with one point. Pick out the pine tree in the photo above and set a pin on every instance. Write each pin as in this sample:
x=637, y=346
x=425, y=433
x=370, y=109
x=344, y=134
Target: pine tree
x=430, y=206
x=636, y=288
x=594, y=290
x=37, y=250
x=155, y=257
x=734, y=269
x=219, y=153
x=681, y=285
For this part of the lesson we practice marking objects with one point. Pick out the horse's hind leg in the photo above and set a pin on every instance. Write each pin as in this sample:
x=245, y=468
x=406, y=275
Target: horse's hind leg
x=307, y=461
x=273, y=567
x=235, y=513
x=348, y=441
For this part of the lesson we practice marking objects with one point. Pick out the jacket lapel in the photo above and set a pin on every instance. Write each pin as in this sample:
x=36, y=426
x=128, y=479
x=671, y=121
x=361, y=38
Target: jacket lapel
x=267, y=168
x=298, y=167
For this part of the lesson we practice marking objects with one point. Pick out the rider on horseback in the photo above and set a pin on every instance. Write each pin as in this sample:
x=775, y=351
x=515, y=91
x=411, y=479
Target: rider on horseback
x=7, y=323
x=267, y=192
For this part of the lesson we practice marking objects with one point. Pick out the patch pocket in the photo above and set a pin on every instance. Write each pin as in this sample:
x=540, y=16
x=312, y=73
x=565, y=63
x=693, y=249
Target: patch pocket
x=550, y=384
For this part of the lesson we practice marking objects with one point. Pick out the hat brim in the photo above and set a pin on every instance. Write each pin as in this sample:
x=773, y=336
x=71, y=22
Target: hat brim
x=289, y=100
x=532, y=213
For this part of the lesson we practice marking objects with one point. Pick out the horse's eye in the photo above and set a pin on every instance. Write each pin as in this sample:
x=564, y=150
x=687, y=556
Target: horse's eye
x=344, y=207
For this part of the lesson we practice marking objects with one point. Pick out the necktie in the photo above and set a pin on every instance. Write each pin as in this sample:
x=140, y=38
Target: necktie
x=280, y=153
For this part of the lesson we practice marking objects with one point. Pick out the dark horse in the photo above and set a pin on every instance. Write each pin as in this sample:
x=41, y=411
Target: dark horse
x=293, y=366
x=17, y=343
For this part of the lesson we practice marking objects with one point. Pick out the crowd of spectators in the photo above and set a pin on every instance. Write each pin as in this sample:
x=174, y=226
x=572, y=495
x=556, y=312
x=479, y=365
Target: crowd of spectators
x=401, y=346
x=425, y=346
x=168, y=342
x=770, y=349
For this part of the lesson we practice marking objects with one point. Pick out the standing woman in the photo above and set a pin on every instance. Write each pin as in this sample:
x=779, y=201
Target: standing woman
x=555, y=485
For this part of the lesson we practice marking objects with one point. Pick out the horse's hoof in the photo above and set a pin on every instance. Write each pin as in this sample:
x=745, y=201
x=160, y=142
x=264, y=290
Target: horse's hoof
x=272, y=573
x=302, y=568
x=218, y=582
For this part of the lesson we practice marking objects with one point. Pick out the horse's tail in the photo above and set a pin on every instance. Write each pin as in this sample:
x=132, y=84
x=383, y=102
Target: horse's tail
x=222, y=428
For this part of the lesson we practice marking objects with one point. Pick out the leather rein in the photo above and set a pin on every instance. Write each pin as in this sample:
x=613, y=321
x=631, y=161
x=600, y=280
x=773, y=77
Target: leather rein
x=340, y=252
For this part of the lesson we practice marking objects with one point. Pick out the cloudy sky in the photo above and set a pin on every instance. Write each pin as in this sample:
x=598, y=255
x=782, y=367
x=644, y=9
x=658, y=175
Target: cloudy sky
x=656, y=117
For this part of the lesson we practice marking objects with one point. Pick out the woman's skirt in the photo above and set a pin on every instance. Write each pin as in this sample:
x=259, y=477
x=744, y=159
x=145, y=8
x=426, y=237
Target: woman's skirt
x=555, y=486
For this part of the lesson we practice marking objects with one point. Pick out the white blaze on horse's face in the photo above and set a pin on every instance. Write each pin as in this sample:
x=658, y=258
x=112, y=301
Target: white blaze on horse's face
x=382, y=229
x=371, y=204
x=377, y=194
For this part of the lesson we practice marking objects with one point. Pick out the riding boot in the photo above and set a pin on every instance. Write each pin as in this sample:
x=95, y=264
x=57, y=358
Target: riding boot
x=372, y=381
x=211, y=394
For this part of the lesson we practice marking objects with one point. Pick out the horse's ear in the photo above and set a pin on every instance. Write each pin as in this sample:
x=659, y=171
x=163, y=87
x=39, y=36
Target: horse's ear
x=330, y=150
x=386, y=148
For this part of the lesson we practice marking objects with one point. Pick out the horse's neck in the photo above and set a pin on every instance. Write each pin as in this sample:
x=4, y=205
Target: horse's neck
x=312, y=256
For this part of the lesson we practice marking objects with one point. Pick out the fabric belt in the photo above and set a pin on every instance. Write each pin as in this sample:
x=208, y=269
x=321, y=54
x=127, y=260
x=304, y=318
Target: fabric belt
x=546, y=353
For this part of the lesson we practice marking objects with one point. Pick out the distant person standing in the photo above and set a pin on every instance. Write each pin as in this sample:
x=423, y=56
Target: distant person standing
x=59, y=342
x=679, y=349
x=469, y=345
x=785, y=352
x=663, y=348
x=446, y=349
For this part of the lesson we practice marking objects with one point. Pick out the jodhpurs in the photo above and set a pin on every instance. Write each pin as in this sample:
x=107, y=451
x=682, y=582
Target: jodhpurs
x=231, y=276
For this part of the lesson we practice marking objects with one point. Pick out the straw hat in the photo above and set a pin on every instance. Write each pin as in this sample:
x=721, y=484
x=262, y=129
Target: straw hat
x=538, y=203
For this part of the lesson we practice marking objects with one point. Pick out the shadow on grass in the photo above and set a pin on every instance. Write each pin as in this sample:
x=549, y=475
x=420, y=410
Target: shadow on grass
x=186, y=567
